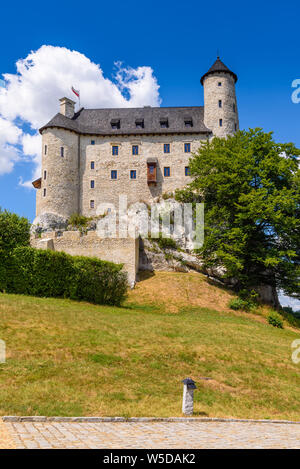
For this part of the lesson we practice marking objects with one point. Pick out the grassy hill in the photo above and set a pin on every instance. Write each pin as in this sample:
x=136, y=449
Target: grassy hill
x=71, y=358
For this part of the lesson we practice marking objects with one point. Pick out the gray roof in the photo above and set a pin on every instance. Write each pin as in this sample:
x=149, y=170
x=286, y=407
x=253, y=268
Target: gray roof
x=99, y=121
x=218, y=66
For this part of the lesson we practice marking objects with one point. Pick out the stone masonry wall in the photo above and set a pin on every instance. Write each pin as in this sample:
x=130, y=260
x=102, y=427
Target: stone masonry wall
x=117, y=250
x=108, y=190
x=68, y=180
x=61, y=180
x=212, y=112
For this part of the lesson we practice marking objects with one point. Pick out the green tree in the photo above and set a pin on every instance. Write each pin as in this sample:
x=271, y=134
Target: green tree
x=14, y=231
x=250, y=187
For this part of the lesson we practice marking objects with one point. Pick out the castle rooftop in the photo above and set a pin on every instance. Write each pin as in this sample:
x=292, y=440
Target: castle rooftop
x=217, y=67
x=133, y=121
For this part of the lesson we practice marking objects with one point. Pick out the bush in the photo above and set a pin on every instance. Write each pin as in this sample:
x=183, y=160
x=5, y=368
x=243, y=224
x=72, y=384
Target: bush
x=238, y=303
x=288, y=309
x=291, y=318
x=78, y=221
x=275, y=320
x=165, y=243
x=98, y=281
x=47, y=273
x=168, y=195
x=41, y=272
x=14, y=231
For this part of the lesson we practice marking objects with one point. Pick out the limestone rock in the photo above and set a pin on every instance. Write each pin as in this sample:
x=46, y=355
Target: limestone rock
x=48, y=222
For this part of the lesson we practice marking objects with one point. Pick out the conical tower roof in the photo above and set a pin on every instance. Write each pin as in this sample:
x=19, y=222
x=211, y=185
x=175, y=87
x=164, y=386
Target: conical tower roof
x=218, y=66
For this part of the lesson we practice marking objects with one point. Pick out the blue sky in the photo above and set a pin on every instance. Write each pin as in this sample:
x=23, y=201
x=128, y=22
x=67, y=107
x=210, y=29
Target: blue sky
x=179, y=41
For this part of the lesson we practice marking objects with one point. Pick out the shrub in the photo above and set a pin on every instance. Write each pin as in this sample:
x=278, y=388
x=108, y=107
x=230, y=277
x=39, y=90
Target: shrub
x=249, y=296
x=14, y=231
x=291, y=318
x=238, y=303
x=168, y=195
x=98, y=281
x=41, y=272
x=78, y=221
x=275, y=320
x=4, y=270
x=47, y=273
x=165, y=243
x=288, y=309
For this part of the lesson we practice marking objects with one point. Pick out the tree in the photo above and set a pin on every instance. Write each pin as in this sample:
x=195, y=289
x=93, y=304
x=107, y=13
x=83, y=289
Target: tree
x=14, y=231
x=250, y=187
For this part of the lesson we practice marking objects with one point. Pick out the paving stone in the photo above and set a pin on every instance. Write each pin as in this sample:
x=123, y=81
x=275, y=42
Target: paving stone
x=6, y=438
x=146, y=434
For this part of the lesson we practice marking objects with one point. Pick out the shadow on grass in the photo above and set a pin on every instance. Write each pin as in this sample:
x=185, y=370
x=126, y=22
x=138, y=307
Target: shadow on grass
x=200, y=414
x=144, y=275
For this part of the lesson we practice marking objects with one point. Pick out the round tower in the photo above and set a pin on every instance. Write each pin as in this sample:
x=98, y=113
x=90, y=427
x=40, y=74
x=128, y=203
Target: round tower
x=60, y=166
x=220, y=104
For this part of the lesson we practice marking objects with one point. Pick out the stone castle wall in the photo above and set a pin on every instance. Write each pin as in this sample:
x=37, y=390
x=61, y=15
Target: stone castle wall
x=61, y=180
x=118, y=250
x=136, y=190
x=68, y=179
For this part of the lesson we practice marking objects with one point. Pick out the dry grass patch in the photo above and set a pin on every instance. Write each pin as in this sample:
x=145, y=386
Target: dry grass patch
x=173, y=291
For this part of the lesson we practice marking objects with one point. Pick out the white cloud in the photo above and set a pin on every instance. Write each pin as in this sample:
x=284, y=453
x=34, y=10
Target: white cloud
x=32, y=150
x=9, y=137
x=31, y=95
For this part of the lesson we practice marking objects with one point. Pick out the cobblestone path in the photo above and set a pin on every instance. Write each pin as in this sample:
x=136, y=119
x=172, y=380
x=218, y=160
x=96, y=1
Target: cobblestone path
x=194, y=434
x=6, y=440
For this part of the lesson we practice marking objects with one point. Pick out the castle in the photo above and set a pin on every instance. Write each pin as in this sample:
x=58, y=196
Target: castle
x=91, y=156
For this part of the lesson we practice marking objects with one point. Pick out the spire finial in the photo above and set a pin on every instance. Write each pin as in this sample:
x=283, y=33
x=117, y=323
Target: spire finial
x=218, y=54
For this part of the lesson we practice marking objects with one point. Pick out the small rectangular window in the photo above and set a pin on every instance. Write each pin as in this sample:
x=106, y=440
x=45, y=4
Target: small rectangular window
x=45, y=150
x=187, y=171
x=233, y=107
x=45, y=174
x=92, y=204
x=115, y=150
x=92, y=184
x=92, y=164
x=113, y=174
x=187, y=148
x=220, y=103
x=167, y=171
x=220, y=83
x=220, y=122
x=62, y=152
x=188, y=123
x=139, y=123
x=92, y=142
x=133, y=174
x=135, y=149
x=45, y=192
x=164, y=123
x=115, y=124
x=166, y=148
x=235, y=127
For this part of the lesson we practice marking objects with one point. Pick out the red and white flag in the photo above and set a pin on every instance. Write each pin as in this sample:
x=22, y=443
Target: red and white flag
x=77, y=92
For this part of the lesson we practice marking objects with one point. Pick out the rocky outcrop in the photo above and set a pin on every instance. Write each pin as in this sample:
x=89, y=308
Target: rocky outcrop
x=48, y=222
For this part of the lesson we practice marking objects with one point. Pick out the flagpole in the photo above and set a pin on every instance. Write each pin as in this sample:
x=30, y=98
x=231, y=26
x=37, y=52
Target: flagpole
x=77, y=93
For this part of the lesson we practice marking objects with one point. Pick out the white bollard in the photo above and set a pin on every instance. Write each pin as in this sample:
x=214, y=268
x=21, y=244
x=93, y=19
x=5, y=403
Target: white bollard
x=188, y=396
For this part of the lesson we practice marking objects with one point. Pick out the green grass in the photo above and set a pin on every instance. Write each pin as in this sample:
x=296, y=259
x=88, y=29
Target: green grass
x=70, y=358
